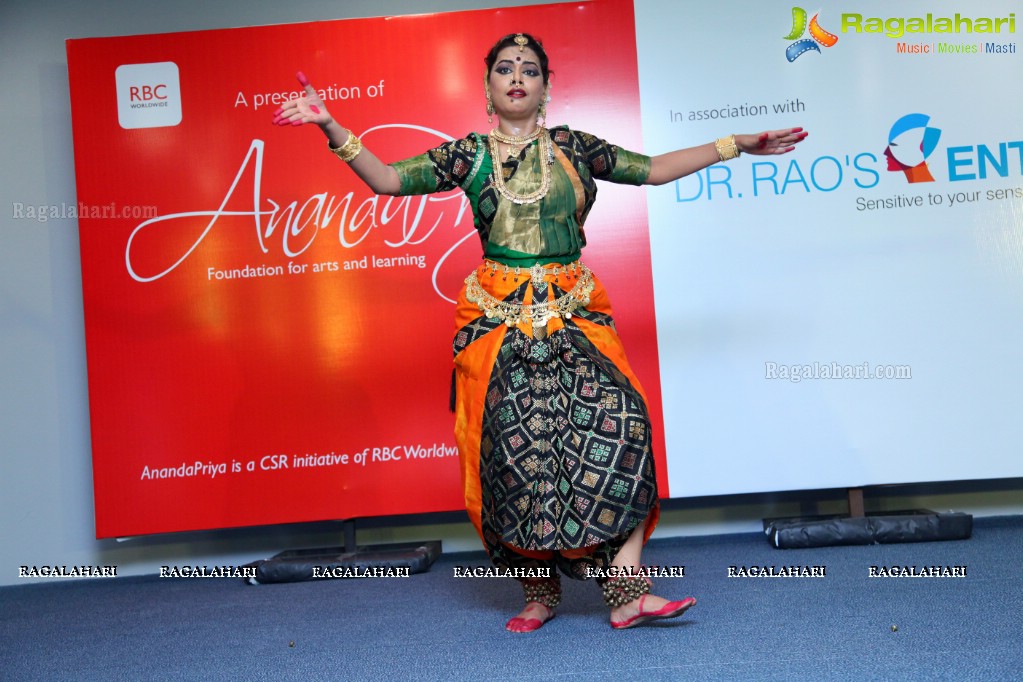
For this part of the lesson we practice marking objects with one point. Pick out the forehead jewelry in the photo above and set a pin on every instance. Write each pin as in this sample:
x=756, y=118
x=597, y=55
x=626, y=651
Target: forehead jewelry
x=521, y=41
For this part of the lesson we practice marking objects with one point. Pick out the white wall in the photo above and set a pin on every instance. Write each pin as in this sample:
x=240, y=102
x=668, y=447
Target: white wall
x=45, y=462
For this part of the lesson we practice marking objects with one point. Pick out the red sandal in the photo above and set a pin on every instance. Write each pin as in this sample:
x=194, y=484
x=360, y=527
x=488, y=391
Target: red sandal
x=672, y=609
x=517, y=624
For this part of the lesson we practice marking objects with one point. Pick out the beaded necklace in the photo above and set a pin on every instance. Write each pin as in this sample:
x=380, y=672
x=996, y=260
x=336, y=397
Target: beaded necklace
x=546, y=151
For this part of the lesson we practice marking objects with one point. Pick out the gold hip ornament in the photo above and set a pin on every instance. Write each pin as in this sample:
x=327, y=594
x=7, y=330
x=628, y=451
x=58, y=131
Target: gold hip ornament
x=538, y=314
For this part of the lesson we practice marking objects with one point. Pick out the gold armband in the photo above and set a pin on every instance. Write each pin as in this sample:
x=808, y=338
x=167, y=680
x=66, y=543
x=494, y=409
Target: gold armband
x=349, y=150
x=727, y=149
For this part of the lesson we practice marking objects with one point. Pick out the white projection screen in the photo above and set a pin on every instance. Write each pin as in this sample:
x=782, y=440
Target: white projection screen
x=849, y=314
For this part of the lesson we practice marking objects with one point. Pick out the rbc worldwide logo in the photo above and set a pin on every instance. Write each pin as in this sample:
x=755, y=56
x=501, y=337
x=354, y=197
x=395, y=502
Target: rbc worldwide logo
x=148, y=95
x=818, y=36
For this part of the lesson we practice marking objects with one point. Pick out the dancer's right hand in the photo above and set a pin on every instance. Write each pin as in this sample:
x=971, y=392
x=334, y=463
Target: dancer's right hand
x=306, y=109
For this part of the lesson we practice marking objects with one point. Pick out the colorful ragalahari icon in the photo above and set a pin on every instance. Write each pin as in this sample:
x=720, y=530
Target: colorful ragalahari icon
x=818, y=36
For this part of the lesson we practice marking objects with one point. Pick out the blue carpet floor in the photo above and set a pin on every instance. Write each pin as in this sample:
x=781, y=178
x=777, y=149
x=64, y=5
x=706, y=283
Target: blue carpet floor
x=434, y=626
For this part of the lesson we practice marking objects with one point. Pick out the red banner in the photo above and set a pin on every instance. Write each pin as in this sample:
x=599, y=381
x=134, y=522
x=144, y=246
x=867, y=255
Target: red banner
x=268, y=341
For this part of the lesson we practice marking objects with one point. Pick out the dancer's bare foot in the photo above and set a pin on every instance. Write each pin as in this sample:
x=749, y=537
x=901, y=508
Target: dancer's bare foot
x=646, y=608
x=531, y=618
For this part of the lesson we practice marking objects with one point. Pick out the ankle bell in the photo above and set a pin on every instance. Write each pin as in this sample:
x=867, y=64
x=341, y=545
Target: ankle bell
x=546, y=591
x=620, y=590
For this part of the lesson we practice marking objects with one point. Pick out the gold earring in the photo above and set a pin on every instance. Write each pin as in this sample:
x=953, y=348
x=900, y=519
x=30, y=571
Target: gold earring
x=541, y=114
x=490, y=102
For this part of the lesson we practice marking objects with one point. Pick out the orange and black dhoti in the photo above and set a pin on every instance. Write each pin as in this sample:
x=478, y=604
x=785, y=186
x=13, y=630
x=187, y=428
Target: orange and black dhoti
x=551, y=423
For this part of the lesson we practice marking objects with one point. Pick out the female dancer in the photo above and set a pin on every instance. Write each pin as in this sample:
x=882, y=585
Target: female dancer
x=552, y=427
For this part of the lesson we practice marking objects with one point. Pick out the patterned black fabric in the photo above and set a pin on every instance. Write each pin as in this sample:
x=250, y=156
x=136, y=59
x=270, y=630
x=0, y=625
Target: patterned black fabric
x=565, y=457
x=593, y=159
x=452, y=161
x=596, y=317
x=483, y=325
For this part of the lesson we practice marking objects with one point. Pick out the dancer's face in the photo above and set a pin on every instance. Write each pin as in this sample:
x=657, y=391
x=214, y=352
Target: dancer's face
x=516, y=83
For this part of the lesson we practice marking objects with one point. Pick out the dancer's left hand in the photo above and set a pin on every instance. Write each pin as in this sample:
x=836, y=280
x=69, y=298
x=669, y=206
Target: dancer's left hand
x=771, y=141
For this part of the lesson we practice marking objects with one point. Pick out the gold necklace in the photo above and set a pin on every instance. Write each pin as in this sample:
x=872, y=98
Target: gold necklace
x=515, y=143
x=545, y=148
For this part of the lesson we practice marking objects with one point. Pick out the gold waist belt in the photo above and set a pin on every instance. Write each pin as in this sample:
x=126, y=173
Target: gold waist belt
x=536, y=313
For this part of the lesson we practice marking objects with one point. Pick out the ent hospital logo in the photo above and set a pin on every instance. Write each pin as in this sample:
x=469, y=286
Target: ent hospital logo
x=818, y=36
x=910, y=142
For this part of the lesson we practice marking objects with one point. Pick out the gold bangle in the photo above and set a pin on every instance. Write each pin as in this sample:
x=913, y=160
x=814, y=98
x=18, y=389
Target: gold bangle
x=349, y=150
x=727, y=149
